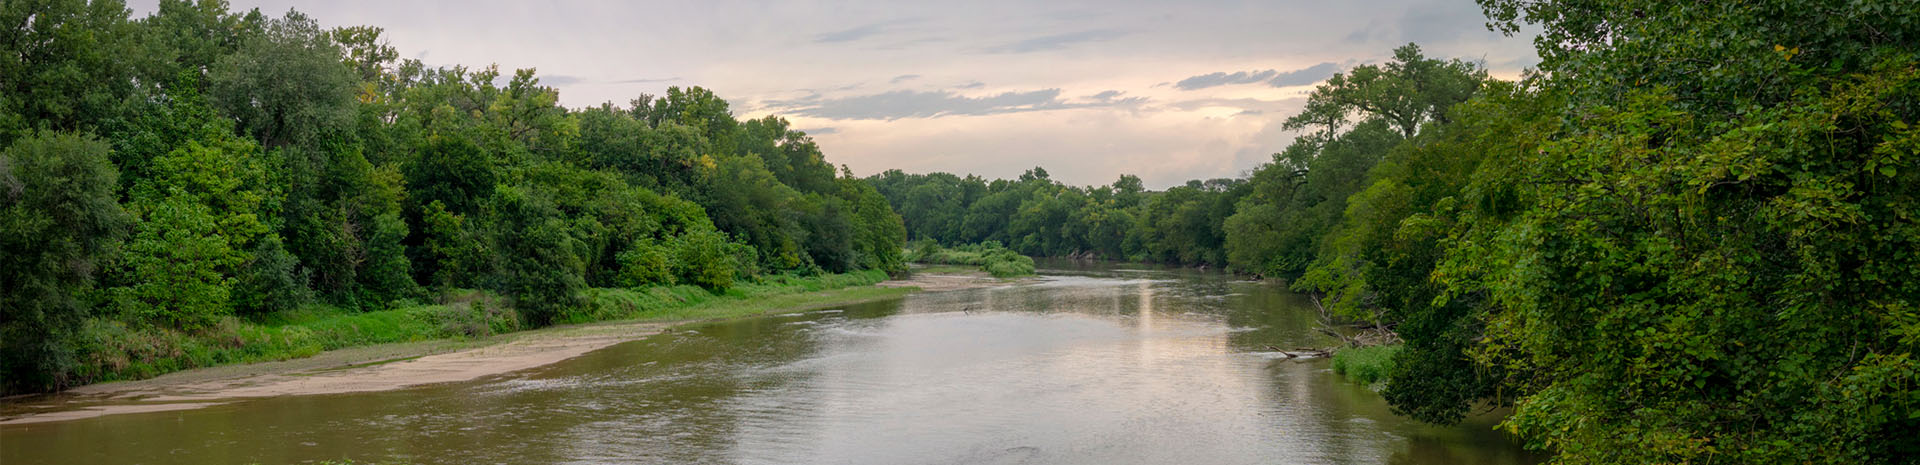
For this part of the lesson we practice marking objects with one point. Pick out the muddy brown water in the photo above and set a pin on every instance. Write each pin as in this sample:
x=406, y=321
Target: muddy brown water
x=1090, y=364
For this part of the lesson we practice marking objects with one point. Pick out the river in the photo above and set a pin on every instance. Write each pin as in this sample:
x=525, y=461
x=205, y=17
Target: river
x=1088, y=364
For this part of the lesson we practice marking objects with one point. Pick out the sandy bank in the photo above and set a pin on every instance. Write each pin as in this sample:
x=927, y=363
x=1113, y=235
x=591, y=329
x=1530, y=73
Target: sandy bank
x=377, y=368
x=948, y=281
x=374, y=368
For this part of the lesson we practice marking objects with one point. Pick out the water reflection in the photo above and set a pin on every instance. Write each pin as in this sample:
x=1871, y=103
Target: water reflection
x=1090, y=365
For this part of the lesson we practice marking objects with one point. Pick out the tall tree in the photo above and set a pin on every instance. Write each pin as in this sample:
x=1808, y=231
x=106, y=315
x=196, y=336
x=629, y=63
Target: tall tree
x=1406, y=92
x=64, y=65
x=59, y=223
x=286, y=85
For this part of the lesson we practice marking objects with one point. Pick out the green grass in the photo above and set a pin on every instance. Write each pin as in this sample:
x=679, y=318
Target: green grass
x=674, y=303
x=1368, y=365
x=990, y=256
x=112, y=350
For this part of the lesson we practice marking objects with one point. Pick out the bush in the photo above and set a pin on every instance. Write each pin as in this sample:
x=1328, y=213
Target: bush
x=1368, y=365
x=1003, y=263
x=990, y=256
x=702, y=258
x=644, y=263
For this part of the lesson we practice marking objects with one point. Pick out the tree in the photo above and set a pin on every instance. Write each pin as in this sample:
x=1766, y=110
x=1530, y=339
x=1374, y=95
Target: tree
x=366, y=53
x=1406, y=92
x=59, y=223
x=1715, y=259
x=271, y=281
x=453, y=171
x=64, y=65
x=789, y=154
x=272, y=163
x=188, y=37
x=541, y=267
x=881, y=234
x=203, y=208
x=178, y=263
x=1297, y=199
x=286, y=85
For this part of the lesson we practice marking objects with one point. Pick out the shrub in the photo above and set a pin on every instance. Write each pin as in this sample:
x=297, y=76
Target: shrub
x=990, y=256
x=1368, y=365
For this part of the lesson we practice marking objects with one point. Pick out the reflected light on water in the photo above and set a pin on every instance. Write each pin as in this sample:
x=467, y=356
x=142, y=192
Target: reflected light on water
x=1081, y=366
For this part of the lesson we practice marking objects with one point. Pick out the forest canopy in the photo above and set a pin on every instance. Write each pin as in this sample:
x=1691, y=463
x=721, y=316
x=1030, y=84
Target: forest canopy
x=173, y=172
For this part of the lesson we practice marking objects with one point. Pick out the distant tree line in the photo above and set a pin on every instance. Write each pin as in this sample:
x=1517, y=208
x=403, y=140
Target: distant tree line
x=201, y=164
x=1692, y=235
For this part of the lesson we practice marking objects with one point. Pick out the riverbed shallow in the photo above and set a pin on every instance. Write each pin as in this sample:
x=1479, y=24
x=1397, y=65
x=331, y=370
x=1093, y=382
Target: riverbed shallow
x=1088, y=363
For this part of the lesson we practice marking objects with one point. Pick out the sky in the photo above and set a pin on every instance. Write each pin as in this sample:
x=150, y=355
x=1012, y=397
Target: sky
x=1168, y=91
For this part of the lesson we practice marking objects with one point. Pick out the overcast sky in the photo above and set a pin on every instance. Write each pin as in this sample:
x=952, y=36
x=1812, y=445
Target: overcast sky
x=1169, y=91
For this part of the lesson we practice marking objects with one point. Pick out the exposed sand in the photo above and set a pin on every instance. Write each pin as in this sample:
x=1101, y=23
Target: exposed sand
x=371, y=368
x=947, y=281
x=335, y=372
x=104, y=410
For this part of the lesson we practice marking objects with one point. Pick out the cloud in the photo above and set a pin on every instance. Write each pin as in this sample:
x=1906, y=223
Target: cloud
x=821, y=131
x=971, y=85
x=1366, y=34
x=1257, y=106
x=1517, y=63
x=1298, y=77
x=1057, y=41
x=1434, y=23
x=903, y=78
x=849, y=35
x=1106, y=96
x=860, y=32
x=1304, y=76
x=560, y=79
x=646, y=80
x=933, y=104
x=1220, y=79
x=910, y=43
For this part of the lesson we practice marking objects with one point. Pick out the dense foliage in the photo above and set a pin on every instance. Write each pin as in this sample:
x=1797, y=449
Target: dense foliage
x=990, y=256
x=1692, y=235
x=174, y=174
x=1035, y=215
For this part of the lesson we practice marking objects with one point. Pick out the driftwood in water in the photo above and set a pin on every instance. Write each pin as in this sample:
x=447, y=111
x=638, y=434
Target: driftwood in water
x=1302, y=352
x=1370, y=334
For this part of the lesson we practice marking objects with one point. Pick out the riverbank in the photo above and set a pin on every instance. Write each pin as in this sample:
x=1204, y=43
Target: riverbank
x=379, y=367
x=937, y=278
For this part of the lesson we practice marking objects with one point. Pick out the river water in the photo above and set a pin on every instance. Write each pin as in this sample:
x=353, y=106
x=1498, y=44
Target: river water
x=1089, y=364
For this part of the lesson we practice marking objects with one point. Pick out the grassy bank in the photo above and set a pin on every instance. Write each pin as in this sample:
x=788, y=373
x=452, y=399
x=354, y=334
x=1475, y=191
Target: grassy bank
x=113, y=350
x=692, y=303
x=1368, y=365
x=990, y=256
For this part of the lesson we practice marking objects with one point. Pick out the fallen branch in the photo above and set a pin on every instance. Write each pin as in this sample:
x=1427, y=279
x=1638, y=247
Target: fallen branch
x=1371, y=334
x=1302, y=352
